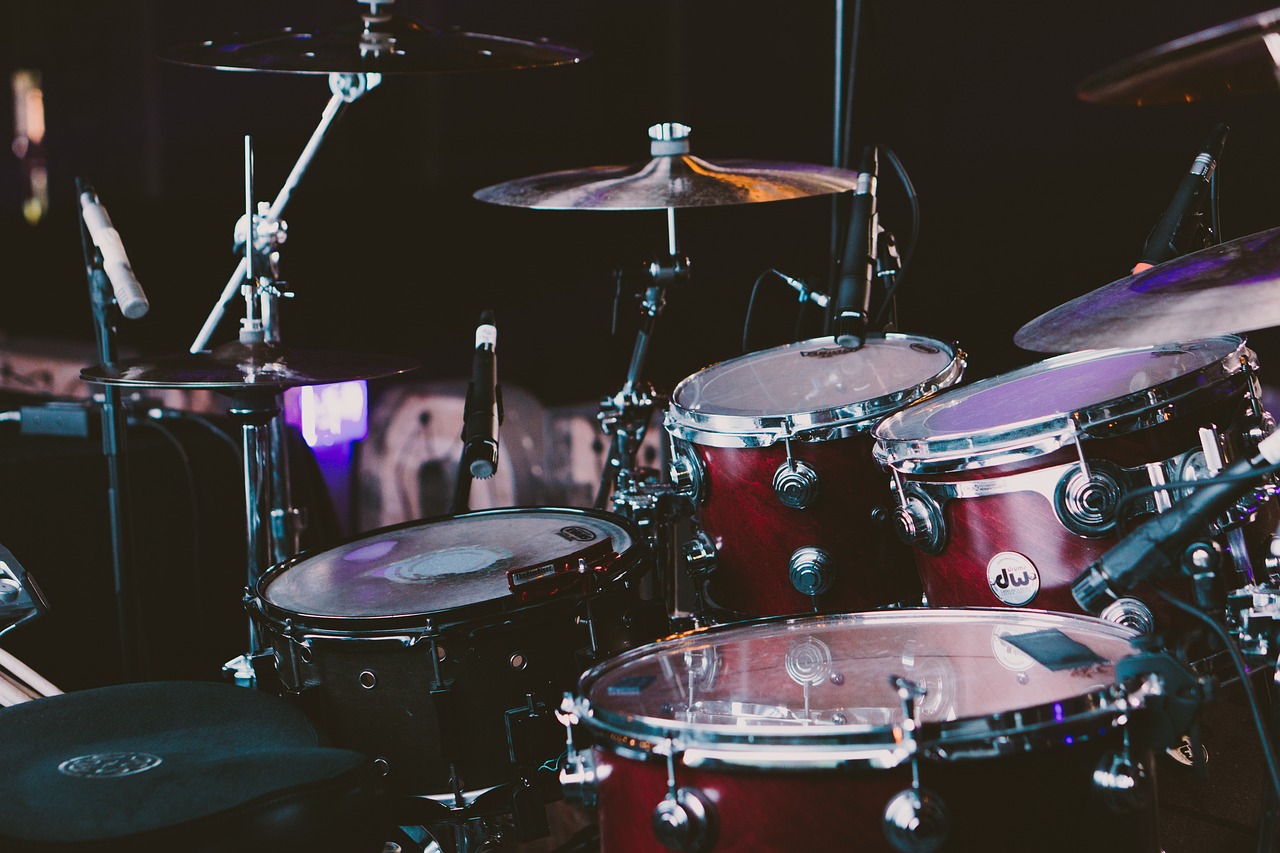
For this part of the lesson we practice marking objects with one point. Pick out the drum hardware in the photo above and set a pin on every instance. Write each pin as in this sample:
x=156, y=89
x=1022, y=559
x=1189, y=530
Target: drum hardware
x=685, y=820
x=915, y=820
x=686, y=472
x=808, y=662
x=699, y=554
x=918, y=520
x=1131, y=613
x=795, y=482
x=811, y=572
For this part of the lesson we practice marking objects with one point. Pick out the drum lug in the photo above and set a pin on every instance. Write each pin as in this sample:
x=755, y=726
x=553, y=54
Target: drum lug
x=795, y=482
x=699, y=555
x=1131, y=613
x=1087, y=498
x=578, y=776
x=688, y=477
x=811, y=571
x=918, y=519
x=1120, y=782
x=685, y=820
x=915, y=820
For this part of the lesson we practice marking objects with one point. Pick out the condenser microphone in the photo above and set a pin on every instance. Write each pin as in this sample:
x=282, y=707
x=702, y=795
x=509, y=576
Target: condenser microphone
x=115, y=263
x=483, y=414
x=1175, y=232
x=853, y=295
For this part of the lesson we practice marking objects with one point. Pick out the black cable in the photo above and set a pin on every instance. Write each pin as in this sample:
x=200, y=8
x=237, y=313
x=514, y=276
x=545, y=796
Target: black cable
x=909, y=252
x=1215, y=218
x=184, y=459
x=200, y=420
x=751, y=304
x=1237, y=660
x=1133, y=494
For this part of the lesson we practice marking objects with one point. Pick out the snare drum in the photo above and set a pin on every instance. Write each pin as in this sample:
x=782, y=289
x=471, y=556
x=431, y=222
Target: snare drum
x=786, y=734
x=1009, y=487
x=775, y=449
x=442, y=647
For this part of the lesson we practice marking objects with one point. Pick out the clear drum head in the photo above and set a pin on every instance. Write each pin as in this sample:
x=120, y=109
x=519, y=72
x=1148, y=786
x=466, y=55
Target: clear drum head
x=1044, y=406
x=808, y=387
x=813, y=687
x=440, y=565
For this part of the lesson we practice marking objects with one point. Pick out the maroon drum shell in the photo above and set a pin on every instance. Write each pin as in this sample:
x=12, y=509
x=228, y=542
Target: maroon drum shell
x=1025, y=522
x=755, y=534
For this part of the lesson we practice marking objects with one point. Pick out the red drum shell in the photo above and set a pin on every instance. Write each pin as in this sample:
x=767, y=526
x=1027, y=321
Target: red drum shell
x=755, y=534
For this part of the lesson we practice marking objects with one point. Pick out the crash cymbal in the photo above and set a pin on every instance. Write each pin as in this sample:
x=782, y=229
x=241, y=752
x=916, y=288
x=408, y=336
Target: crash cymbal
x=237, y=367
x=382, y=43
x=673, y=178
x=1238, y=58
x=1232, y=287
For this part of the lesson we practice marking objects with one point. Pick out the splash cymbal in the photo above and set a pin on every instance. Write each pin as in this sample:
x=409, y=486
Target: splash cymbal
x=1229, y=288
x=382, y=43
x=1233, y=59
x=237, y=367
x=672, y=178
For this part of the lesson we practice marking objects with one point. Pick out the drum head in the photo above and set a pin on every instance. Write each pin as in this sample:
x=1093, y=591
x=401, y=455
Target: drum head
x=1042, y=406
x=825, y=680
x=438, y=565
x=810, y=385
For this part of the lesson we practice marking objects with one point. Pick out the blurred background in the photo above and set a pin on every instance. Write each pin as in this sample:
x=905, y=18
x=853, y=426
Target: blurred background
x=1029, y=198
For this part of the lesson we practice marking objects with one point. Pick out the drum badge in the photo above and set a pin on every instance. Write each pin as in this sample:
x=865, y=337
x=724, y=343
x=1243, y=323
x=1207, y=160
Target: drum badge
x=109, y=765
x=1013, y=578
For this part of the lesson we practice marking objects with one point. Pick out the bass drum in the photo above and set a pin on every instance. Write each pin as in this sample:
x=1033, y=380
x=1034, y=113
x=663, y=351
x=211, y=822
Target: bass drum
x=783, y=735
x=442, y=647
x=1010, y=487
x=775, y=450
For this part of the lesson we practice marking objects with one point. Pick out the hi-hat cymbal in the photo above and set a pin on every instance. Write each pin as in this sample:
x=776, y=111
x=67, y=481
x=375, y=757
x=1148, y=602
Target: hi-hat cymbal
x=1232, y=287
x=1237, y=58
x=237, y=367
x=673, y=178
x=382, y=43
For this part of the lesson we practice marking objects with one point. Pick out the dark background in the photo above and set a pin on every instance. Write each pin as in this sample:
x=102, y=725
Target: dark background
x=1029, y=196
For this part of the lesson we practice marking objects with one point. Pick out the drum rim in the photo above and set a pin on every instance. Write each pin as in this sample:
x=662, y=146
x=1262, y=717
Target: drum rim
x=763, y=430
x=1033, y=437
x=427, y=622
x=710, y=745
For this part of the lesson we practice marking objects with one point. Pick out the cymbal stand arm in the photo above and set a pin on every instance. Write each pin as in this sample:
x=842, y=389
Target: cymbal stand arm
x=346, y=89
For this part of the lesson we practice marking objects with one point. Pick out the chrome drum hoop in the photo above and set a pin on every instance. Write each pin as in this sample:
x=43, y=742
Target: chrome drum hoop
x=1090, y=714
x=854, y=418
x=1028, y=439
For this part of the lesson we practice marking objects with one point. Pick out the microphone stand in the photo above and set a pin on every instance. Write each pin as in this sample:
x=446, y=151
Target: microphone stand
x=115, y=449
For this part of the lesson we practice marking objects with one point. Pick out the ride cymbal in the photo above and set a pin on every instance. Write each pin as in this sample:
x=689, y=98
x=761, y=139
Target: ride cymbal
x=382, y=43
x=237, y=367
x=1224, y=289
x=1233, y=59
x=673, y=178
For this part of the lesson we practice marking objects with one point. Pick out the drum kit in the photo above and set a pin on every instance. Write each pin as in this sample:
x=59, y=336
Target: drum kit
x=487, y=664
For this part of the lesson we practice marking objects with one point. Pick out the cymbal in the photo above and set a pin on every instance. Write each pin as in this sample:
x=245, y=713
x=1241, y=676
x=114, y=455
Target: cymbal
x=237, y=367
x=1232, y=287
x=673, y=178
x=1237, y=58
x=382, y=43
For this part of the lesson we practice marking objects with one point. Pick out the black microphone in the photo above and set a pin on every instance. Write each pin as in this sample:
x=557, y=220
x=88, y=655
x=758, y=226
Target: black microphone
x=853, y=295
x=129, y=296
x=483, y=410
x=1175, y=232
x=1155, y=547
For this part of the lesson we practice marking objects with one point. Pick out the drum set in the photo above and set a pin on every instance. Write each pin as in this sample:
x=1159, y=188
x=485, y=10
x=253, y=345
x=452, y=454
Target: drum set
x=888, y=637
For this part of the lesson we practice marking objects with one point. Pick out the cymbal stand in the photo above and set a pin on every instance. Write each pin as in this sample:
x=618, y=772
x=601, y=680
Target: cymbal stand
x=625, y=416
x=265, y=464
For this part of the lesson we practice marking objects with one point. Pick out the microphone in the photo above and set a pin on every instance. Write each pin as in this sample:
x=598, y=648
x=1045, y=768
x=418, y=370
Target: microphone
x=853, y=296
x=1175, y=231
x=129, y=296
x=483, y=409
x=1155, y=548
